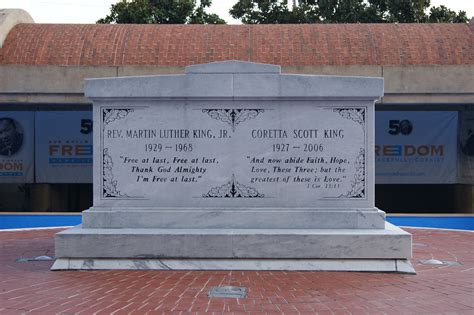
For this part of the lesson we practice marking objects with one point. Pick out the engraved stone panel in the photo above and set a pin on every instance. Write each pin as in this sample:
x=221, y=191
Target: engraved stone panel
x=193, y=154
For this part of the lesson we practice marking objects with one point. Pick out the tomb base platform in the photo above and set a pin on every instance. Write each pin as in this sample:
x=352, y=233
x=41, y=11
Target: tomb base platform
x=356, y=265
x=268, y=218
x=385, y=249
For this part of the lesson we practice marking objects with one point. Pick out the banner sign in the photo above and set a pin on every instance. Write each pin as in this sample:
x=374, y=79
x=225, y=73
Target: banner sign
x=415, y=147
x=466, y=148
x=64, y=147
x=16, y=147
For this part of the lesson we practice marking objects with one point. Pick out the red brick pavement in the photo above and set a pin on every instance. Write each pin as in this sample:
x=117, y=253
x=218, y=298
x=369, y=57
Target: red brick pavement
x=31, y=288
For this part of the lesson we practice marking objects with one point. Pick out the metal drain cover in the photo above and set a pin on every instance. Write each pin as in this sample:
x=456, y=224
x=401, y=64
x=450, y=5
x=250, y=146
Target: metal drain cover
x=435, y=262
x=38, y=258
x=430, y=262
x=228, y=292
x=452, y=263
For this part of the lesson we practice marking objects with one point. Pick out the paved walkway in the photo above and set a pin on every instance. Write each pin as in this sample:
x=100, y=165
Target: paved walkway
x=29, y=287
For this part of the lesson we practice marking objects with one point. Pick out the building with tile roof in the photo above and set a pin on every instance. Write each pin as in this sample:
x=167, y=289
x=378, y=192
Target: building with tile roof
x=426, y=67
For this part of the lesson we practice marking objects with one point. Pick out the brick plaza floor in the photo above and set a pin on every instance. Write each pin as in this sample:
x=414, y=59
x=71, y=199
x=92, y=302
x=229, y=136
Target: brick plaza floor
x=29, y=287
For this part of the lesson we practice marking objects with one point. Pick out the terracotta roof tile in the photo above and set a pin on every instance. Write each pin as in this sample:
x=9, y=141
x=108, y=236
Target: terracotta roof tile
x=286, y=45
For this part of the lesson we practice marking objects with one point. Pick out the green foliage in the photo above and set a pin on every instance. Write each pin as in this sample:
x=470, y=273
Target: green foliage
x=200, y=16
x=442, y=14
x=162, y=12
x=124, y=12
x=342, y=11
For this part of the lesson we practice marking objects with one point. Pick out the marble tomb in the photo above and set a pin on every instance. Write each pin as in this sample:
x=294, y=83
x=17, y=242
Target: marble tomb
x=234, y=165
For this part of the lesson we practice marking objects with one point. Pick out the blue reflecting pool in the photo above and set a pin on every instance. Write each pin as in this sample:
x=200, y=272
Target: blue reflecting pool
x=17, y=221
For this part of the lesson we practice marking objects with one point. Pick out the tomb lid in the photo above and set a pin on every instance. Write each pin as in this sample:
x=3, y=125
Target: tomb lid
x=233, y=66
x=234, y=80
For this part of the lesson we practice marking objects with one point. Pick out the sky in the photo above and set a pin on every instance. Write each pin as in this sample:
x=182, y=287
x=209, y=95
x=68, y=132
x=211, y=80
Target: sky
x=89, y=11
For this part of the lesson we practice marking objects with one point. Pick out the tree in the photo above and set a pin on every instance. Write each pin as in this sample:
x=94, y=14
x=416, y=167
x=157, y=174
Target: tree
x=342, y=11
x=124, y=12
x=402, y=11
x=442, y=14
x=162, y=12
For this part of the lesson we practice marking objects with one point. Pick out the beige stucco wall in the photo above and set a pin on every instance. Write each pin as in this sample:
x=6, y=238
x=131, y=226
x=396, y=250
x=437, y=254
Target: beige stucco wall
x=9, y=18
x=403, y=84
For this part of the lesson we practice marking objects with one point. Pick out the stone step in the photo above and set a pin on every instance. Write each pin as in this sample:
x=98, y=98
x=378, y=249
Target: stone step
x=388, y=243
x=372, y=218
x=373, y=265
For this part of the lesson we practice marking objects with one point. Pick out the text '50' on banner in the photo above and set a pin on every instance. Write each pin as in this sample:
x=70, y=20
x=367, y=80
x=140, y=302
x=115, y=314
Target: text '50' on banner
x=416, y=147
x=64, y=147
x=16, y=147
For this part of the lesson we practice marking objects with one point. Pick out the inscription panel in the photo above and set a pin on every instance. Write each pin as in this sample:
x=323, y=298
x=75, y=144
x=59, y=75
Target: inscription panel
x=252, y=155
